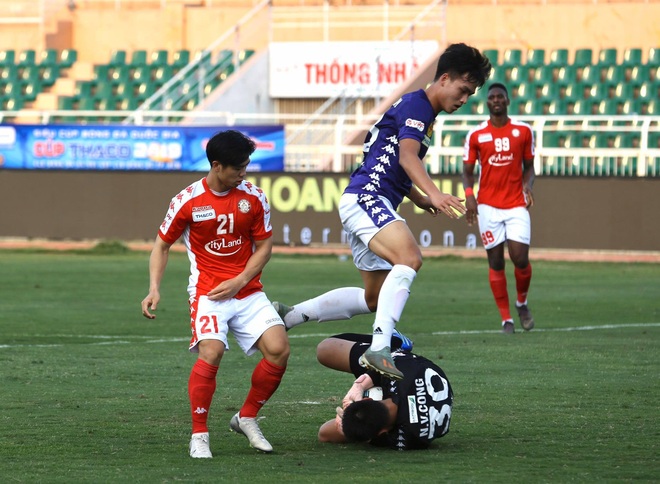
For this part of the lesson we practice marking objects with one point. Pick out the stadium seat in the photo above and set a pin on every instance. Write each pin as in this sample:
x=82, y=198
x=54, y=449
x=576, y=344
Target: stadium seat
x=518, y=75
x=159, y=58
x=117, y=58
x=654, y=57
x=557, y=107
x=549, y=91
x=7, y=57
x=26, y=58
x=492, y=55
x=138, y=58
x=575, y=90
x=67, y=58
x=639, y=73
x=48, y=58
x=589, y=74
x=49, y=75
x=611, y=107
x=558, y=57
x=585, y=107
x=535, y=58
x=632, y=106
x=632, y=57
x=544, y=74
x=614, y=74
x=180, y=58
x=583, y=57
x=566, y=74
x=607, y=57
x=512, y=57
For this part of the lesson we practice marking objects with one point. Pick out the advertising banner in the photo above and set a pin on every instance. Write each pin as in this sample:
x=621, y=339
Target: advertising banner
x=327, y=69
x=152, y=148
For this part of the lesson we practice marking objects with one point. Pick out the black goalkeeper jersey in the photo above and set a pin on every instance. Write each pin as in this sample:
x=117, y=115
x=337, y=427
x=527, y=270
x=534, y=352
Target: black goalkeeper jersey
x=424, y=397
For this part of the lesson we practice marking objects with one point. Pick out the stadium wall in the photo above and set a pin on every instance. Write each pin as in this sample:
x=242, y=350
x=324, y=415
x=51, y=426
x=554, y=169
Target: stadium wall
x=96, y=33
x=570, y=212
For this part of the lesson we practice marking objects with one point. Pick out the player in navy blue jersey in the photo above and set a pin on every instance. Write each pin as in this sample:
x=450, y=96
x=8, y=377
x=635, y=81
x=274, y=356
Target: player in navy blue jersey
x=412, y=413
x=384, y=249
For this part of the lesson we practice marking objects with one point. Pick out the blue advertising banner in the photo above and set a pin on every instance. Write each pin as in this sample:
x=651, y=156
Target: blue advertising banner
x=163, y=148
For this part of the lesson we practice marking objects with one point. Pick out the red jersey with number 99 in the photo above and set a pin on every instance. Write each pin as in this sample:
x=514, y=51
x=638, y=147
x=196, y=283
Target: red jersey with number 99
x=218, y=230
x=500, y=152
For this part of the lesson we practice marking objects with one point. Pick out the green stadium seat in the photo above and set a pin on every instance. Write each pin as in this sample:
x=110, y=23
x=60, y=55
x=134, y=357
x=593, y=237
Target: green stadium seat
x=611, y=107
x=650, y=107
x=26, y=58
x=639, y=73
x=162, y=74
x=654, y=139
x=518, y=74
x=599, y=92
x=85, y=89
x=492, y=55
x=557, y=107
x=614, y=74
x=128, y=104
x=574, y=91
x=544, y=74
x=632, y=106
x=526, y=91
x=535, y=58
x=590, y=75
x=585, y=107
x=607, y=57
x=654, y=57
x=583, y=57
x=141, y=74
x=549, y=91
x=48, y=58
x=49, y=75
x=566, y=74
x=102, y=73
x=67, y=58
x=14, y=103
x=632, y=57
x=159, y=58
x=7, y=57
x=558, y=57
x=512, y=57
x=117, y=58
x=138, y=58
x=180, y=58
x=119, y=74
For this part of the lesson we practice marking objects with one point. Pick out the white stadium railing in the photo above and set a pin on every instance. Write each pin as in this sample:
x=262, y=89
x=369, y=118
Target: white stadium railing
x=634, y=149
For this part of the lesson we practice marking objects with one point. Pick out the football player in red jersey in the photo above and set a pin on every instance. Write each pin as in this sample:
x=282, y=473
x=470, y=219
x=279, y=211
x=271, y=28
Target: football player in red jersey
x=504, y=149
x=224, y=222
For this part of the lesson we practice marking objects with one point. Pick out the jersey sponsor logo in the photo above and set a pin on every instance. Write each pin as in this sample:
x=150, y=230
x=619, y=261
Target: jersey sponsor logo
x=413, y=417
x=244, y=206
x=223, y=247
x=414, y=123
x=200, y=410
x=485, y=138
x=500, y=160
x=199, y=214
x=515, y=132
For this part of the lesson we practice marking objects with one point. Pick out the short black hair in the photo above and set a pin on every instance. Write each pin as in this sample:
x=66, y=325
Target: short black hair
x=229, y=148
x=364, y=420
x=460, y=60
x=496, y=85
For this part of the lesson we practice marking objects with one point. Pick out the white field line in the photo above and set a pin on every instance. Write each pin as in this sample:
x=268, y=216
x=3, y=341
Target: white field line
x=123, y=339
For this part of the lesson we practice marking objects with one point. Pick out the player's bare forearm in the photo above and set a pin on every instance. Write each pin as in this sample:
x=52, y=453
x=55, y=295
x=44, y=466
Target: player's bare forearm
x=157, y=264
x=258, y=260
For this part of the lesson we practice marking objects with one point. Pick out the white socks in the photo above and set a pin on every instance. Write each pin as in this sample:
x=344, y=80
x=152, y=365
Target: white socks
x=391, y=301
x=335, y=305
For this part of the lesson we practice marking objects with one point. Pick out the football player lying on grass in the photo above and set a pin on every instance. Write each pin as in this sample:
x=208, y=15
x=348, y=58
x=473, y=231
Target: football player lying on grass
x=403, y=415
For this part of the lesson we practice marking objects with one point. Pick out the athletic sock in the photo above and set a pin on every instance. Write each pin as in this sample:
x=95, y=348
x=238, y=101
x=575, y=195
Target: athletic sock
x=497, y=281
x=335, y=305
x=201, y=387
x=266, y=377
x=523, y=280
x=391, y=301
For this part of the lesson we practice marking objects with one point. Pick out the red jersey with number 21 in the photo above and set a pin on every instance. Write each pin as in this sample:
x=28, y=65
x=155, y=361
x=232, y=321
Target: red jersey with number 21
x=500, y=152
x=218, y=231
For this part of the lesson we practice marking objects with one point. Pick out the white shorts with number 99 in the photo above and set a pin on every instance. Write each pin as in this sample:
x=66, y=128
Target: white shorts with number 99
x=497, y=225
x=246, y=318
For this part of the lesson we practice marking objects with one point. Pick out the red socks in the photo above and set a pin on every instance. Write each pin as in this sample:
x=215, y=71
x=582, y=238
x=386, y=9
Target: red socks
x=497, y=281
x=201, y=387
x=266, y=377
x=523, y=279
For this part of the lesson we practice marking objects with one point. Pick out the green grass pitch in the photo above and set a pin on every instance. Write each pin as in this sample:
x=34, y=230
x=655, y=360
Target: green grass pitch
x=90, y=391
